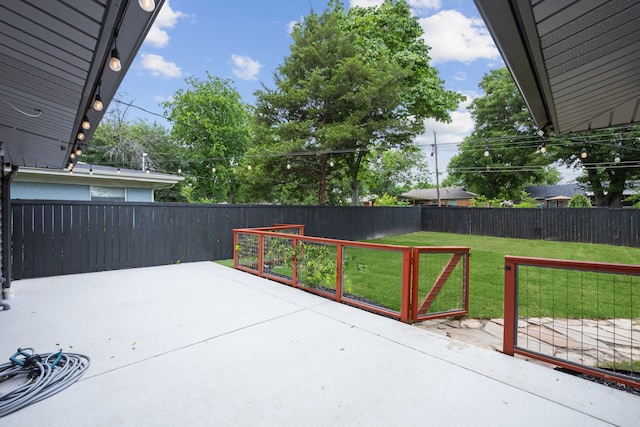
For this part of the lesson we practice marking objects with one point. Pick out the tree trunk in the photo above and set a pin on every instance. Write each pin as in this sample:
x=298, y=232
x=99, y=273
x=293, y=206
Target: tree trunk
x=614, y=195
x=322, y=187
x=354, y=168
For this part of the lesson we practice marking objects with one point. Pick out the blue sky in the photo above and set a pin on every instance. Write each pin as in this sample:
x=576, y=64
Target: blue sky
x=246, y=40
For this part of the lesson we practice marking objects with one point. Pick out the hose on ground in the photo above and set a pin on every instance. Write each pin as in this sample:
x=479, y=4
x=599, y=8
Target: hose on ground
x=30, y=377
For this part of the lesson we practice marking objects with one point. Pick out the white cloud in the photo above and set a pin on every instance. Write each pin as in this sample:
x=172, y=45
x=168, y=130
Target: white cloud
x=455, y=37
x=160, y=67
x=460, y=76
x=425, y=4
x=416, y=5
x=167, y=18
x=245, y=67
x=365, y=3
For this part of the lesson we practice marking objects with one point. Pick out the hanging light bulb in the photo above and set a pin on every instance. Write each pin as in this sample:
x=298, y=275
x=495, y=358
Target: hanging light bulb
x=288, y=164
x=179, y=170
x=80, y=135
x=118, y=171
x=486, y=151
x=78, y=151
x=543, y=148
x=70, y=165
x=249, y=165
x=97, y=103
x=86, y=124
x=213, y=168
x=114, y=62
x=72, y=155
x=148, y=171
x=379, y=159
x=583, y=153
x=617, y=158
x=90, y=170
x=331, y=163
x=147, y=5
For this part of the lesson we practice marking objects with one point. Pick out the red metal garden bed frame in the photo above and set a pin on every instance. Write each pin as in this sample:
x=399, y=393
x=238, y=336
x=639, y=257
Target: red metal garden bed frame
x=411, y=308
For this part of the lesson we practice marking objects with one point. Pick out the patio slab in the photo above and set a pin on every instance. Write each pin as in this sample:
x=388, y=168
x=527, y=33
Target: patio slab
x=203, y=344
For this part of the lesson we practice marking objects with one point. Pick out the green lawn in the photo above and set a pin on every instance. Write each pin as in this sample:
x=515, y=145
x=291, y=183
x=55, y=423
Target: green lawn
x=375, y=275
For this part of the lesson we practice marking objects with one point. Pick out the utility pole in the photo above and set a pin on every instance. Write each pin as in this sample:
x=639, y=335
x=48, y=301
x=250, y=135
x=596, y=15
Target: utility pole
x=435, y=152
x=144, y=162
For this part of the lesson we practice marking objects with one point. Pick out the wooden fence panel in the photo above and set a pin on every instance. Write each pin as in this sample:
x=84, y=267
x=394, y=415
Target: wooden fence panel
x=57, y=237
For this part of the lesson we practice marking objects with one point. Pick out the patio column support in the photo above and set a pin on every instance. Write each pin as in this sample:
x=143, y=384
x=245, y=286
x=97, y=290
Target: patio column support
x=5, y=226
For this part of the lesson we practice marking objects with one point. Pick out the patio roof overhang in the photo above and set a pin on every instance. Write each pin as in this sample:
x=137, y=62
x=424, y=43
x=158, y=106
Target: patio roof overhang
x=53, y=61
x=575, y=62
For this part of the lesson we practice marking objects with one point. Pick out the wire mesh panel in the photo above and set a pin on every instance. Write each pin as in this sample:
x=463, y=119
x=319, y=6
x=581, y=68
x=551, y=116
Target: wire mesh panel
x=278, y=257
x=316, y=266
x=247, y=249
x=441, y=282
x=579, y=317
x=373, y=277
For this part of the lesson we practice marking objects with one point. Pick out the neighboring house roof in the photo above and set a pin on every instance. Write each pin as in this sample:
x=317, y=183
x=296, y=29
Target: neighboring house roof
x=106, y=176
x=446, y=193
x=545, y=192
x=575, y=62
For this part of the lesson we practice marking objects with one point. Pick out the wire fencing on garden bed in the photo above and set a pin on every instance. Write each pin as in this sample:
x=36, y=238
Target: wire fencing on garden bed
x=580, y=316
x=401, y=282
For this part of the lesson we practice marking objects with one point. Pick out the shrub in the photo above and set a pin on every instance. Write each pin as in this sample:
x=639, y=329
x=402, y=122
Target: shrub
x=579, y=201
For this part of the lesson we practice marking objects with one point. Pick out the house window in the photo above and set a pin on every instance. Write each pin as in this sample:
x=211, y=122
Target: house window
x=108, y=194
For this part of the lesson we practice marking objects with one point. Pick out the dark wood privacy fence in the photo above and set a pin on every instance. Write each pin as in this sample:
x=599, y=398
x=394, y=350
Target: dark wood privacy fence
x=619, y=227
x=55, y=238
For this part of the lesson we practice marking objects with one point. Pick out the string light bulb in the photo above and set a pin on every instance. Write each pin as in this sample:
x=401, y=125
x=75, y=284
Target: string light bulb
x=543, y=148
x=147, y=5
x=331, y=163
x=213, y=168
x=486, y=151
x=617, y=158
x=583, y=153
x=78, y=151
x=249, y=166
x=379, y=159
x=114, y=62
x=86, y=124
x=288, y=164
x=97, y=103
x=80, y=135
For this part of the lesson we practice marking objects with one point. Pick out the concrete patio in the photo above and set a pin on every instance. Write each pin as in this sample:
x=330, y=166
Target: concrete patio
x=206, y=345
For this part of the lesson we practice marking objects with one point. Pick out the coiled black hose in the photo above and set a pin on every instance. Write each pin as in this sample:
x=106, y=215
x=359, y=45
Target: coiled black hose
x=35, y=377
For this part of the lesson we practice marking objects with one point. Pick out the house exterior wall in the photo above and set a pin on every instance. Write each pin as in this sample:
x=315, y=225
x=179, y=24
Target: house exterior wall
x=58, y=191
x=49, y=191
x=139, y=195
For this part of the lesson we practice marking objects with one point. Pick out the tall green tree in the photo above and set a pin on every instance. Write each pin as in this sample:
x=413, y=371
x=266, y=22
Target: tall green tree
x=500, y=157
x=211, y=125
x=609, y=160
x=119, y=142
x=352, y=84
x=394, y=172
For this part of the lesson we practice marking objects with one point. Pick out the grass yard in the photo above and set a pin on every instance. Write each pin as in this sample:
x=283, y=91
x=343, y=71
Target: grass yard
x=375, y=275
